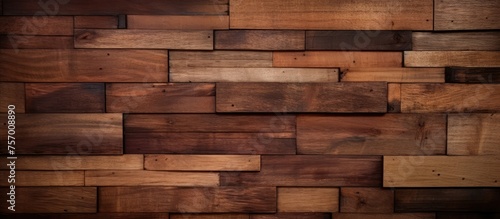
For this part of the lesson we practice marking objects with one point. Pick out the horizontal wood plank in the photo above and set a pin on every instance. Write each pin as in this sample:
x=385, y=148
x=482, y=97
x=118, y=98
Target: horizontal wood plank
x=43, y=178
x=294, y=199
x=202, y=162
x=384, y=216
x=473, y=134
x=35, y=42
x=366, y=200
x=292, y=215
x=472, y=75
x=36, y=25
x=12, y=94
x=452, y=58
x=467, y=215
x=393, y=97
x=466, y=15
x=96, y=22
x=74, y=163
x=209, y=216
x=149, y=178
x=399, y=75
x=456, y=41
x=89, y=216
x=351, y=40
x=176, y=22
x=260, y=40
x=219, y=59
x=342, y=59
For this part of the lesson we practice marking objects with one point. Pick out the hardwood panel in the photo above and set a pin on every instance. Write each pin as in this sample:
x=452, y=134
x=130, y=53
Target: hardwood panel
x=209, y=216
x=52, y=200
x=144, y=39
x=35, y=42
x=73, y=163
x=389, y=134
x=90, y=216
x=295, y=199
x=36, y=25
x=466, y=15
x=384, y=216
x=341, y=59
x=96, y=22
x=456, y=40
x=82, y=134
x=441, y=171
x=65, y=97
x=187, y=200
x=400, y=75
x=160, y=98
x=452, y=58
x=175, y=22
x=301, y=97
x=467, y=215
x=12, y=94
x=293, y=215
x=260, y=39
x=421, y=98
x=366, y=200
x=149, y=178
x=202, y=162
x=359, y=40
x=446, y=199
x=310, y=170
x=44, y=178
x=219, y=59
x=472, y=75
x=322, y=15
x=394, y=97
x=83, y=65
x=473, y=134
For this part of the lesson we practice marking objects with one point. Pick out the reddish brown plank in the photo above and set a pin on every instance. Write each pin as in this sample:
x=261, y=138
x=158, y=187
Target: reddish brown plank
x=96, y=22
x=292, y=216
x=73, y=163
x=351, y=40
x=175, y=22
x=36, y=25
x=342, y=59
x=150, y=178
x=366, y=200
x=35, y=42
x=89, y=216
x=394, y=97
x=466, y=15
x=43, y=178
x=300, y=199
x=209, y=216
x=202, y=162
x=260, y=40
x=12, y=94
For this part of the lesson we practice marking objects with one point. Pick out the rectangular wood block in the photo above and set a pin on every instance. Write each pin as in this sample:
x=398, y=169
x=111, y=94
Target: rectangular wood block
x=324, y=15
x=366, y=200
x=88, y=216
x=73, y=163
x=187, y=200
x=209, y=216
x=292, y=215
x=260, y=39
x=384, y=216
x=144, y=39
x=466, y=15
x=177, y=22
x=219, y=59
x=467, y=215
x=149, y=178
x=36, y=25
x=399, y=75
x=342, y=59
x=295, y=199
x=44, y=178
x=83, y=65
x=96, y=22
x=35, y=42
x=160, y=97
x=441, y=171
x=421, y=98
x=394, y=97
x=359, y=40
x=456, y=41
x=302, y=97
x=202, y=162
x=473, y=134
x=389, y=134
x=472, y=75
x=12, y=94
x=310, y=170
x=452, y=58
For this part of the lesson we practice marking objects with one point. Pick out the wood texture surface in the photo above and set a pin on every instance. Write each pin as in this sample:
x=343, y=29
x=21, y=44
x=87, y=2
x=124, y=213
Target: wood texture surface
x=36, y=25
x=366, y=200
x=472, y=75
x=452, y=58
x=400, y=75
x=456, y=41
x=295, y=199
x=301, y=97
x=219, y=59
x=389, y=134
x=35, y=42
x=321, y=15
x=149, y=178
x=44, y=178
x=473, y=134
x=384, y=216
x=187, y=200
x=74, y=163
x=209, y=216
x=89, y=216
x=466, y=15
x=176, y=22
x=12, y=94
x=284, y=215
x=342, y=59
x=260, y=40
x=467, y=215
x=358, y=40
x=393, y=97
x=96, y=22
x=202, y=162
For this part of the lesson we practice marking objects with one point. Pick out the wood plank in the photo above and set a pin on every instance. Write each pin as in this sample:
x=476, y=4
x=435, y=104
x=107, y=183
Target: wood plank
x=359, y=40
x=83, y=65
x=441, y=171
x=452, y=58
x=420, y=98
x=485, y=40
x=466, y=15
x=302, y=97
x=472, y=75
x=144, y=39
x=260, y=39
x=96, y=22
x=294, y=215
x=115, y=7
x=176, y=22
x=52, y=200
x=340, y=59
x=160, y=97
x=36, y=25
x=149, y=178
x=389, y=134
x=122, y=21
x=295, y=199
x=322, y=15
x=35, y=42
x=366, y=200
x=310, y=170
x=77, y=97
x=473, y=134
x=89, y=216
x=82, y=134
x=12, y=94
x=209, y=216
x=44, y=178
x=384, y=216
x=187, y=200
x=447, y=199
x=220, y=59
x=400, y=75
x=394, y=97
x=202, y=162
x=467, y=215
x=74, y=163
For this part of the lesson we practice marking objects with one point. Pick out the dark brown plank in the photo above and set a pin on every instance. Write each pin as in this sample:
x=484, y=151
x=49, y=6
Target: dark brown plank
x=187, y=200
x=36, y=25
x=65, y=98
x=96, y=22
x=466, y=215
x=12, y=94
x=472, y=75
x=384, y=216
x=260, y=39
x=35, y=42
x=358, y=40
x=446, y=199
x=302, y=97
x=366, y=200
x=310, y=170
x=88, y=216
x=292, y=216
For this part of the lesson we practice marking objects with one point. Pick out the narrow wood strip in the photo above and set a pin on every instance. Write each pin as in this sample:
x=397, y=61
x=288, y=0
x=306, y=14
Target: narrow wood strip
x=337, y=59
x=35, y=42
x=292, y=215
x=399, y=75
x=202, y=162
x=456, y=41
x=394, y=97
x=466, y=15
x=294, y=199
x=43, y=178
x=260, y=39
x=209, y=216
x=466, y=215
x=36, y=25
x=149, y=178
x=96, y=22
x=366, y=200
x=384, y=216
x=12, y=94
x=175, y=22
x=99, y=215
x=351, y=40
x=219, y=59
x=472, y=75
x=73, y=163
x=473, y=134
x=452, y=58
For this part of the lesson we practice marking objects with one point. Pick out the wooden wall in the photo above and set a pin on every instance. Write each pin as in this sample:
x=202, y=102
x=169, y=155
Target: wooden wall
x=252, y=109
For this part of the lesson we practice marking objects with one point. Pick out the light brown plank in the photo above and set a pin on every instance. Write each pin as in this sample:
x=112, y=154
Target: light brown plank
x=36, y=25
x=202, y=162
x=366, y=200
x=340, y=59
x=260, y=40
x=452, y=58
x=466, y=15
x=321, y=15
x=384, y=216
x=394, y=97
x=175, y=22
x=96, y=22
x=73, y=163
x=35, y=42
x=297, y=199
x=219, y=59
x=473, y=134
x=399, y=75
x=456, y=41
x=44, y=178
x=12, y=94
x=441, y=171
x=149, y=178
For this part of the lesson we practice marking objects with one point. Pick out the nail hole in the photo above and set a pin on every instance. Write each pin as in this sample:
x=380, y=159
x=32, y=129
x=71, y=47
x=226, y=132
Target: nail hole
x=439, y=174
x=100, y=68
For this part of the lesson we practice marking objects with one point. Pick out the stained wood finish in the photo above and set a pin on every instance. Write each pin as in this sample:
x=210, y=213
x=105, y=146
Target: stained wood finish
x=12, y=94
x=452, y=58
x=344, y=15
x=466, y=15
x=293, y=199
x=149, y=178
x=389, y=134
x=393, y=97
x=90, y=216
x=359, y=40
x=337, y=59
x=402, y=75
x=209, y=216
x=176, y=22
x=202, y=162
x=260, y=40
x=96, y=22
x=36, y=25
x=35, y=42
x=291, y=216
x=187, y=200
x=456, y=41
x=466, y=215
x=219, y=59
x=74, y=163
x=473, y=134
x=366, y=200
x=44, y=178
x=384, y=216
x=472, y=75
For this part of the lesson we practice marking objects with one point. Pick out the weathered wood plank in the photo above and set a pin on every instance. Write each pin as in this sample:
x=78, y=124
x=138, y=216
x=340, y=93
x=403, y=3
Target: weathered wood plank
x=456, y=41
x=35, y=42
x=175, y=22
x=323, y=15
x=74, y=163
x=144, y=39
x=294, y=215
x=187, y=200
x=400, y=75
x=466, y=15
x=36, y=25
x=96, y=22
x=441, y=171
x=295, y=199
x=366, y=200
x=149, y=178
x=44, y=178
x=260, y=39
x=351, y=40
x=472, y=75
x=12, y=94
x=384, y=216
x=202, y=162
x=89, y=216
x=209, y=216
x=452, y=58
x=342, y=59
x=160, y=97
x=473, y=134
x=393, y=97
x=467, y=215
x=389, y=134
x=220, y=59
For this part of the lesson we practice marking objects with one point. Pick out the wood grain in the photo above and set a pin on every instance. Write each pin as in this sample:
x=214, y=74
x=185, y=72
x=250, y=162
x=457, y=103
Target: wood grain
x=74, y=163
x=389, y=134
x=202, y=162
x=209, y=216
x=366, y=200
x=36, y=25
x=301, y=97
x=297, y=199
x=485, y=40
x=96, y=22
x=160, y=98
x=472, y=75
x=35, y=42
x=293, y=215
x=260, y=40
x=466, y=15
x=467, y=215
x=144, y=39
x=187, y=200
x=441, y=171
x=219, y=59
x=473, y=134
x=176, y=22
x=400, y=75
x=89, y=216
x=384, y=216
x=452, y=58
x=12, y=94
x=351, y=40
x=149, y=178
x=44, y=178
x=393, y=97
x=420, y=98
x=340, y=59
x=321, y=15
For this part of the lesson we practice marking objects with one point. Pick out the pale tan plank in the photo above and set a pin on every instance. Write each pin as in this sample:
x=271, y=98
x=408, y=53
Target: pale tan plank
x=177, y=22
x=202, y=162
x=473, y=134
x=120, y=162
x=341, y=59
x=149, y=178
x=466, y=14
x=455, y=41
x=12, y=94
x=44, y=178
x=308, y=199
x=399, y=75
x=219, y=59
x=452, y=58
